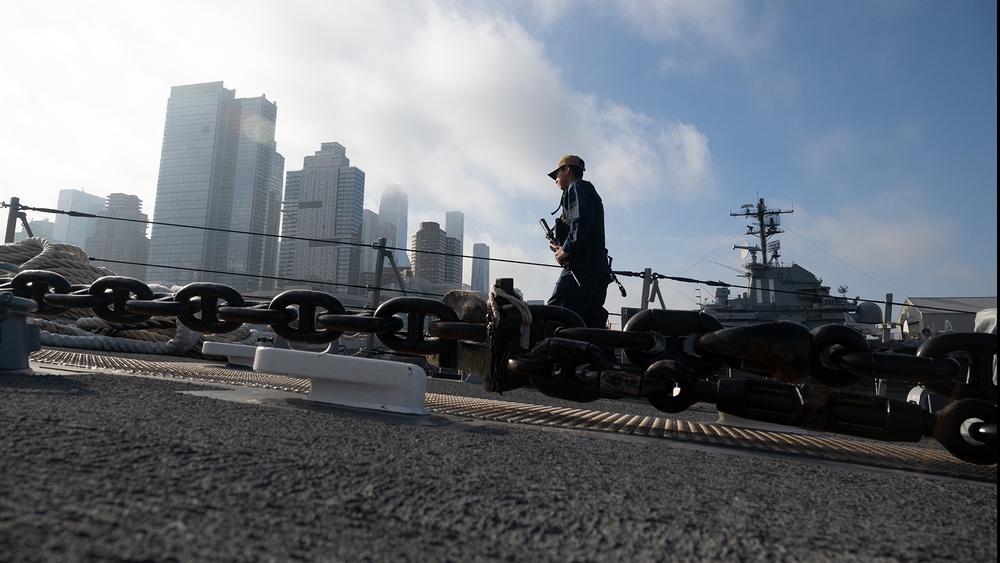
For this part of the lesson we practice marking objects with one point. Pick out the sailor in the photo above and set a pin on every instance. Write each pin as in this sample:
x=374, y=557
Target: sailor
x=582, y=286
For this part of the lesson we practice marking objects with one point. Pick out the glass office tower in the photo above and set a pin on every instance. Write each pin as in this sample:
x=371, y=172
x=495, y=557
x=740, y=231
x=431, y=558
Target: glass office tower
x=77, y=230
x=219, y=168
x=481, y=268
x=324, y=205
x=392, y=211
x=454, y=227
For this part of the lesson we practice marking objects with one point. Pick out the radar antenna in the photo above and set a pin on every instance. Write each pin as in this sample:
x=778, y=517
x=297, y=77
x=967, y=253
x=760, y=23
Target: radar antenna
x=767, y=223
x=747, y=250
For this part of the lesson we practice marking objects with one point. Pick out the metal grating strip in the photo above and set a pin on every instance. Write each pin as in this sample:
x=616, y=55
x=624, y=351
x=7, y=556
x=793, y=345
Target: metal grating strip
x=932, y=461
x=181, y=370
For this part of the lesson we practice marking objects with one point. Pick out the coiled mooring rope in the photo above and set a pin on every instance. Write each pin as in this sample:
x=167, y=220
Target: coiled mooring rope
x=67, y=260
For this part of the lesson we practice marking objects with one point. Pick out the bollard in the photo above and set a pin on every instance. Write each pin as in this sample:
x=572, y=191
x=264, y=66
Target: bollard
x=17, y=337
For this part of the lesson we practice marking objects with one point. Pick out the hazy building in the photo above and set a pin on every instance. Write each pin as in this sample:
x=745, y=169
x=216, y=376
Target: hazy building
x=289, y=226
x=453, y=262
x=219, y=168
x=454, y=224
x=429, y=262
x=269, y=265
x=370, y=233
x=76, y=230
x=392, y=210
x=454, y=227
x=327, y=214
x=122, y=241
x=40, y=228
x=481, y=268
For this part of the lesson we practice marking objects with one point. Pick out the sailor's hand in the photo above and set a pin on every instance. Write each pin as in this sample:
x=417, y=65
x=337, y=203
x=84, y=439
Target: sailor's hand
x=561, y=256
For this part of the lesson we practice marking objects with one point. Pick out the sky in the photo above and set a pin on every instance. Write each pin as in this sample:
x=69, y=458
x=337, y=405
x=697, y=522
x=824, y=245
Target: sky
x=873, y=121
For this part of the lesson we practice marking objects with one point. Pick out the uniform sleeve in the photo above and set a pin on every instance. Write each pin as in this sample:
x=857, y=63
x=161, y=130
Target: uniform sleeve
x=580, y=208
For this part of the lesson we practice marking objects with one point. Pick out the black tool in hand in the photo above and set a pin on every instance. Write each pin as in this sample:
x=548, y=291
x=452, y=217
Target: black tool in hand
x=614, y=278
x=552, y=240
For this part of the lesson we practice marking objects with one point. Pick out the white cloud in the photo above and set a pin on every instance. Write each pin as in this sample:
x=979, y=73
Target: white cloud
x=889, y=238
x=830, y=151
x=726, y=26
x=459, y=107
x=463, y=108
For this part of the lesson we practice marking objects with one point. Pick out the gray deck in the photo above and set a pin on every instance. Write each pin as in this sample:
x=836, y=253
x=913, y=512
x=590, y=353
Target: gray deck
x=96, y=465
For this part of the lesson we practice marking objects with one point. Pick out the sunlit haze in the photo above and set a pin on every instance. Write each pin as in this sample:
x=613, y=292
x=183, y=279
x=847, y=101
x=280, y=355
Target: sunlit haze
x=875, y=121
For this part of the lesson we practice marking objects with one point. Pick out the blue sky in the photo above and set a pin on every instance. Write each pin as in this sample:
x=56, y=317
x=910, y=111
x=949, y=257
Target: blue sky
x=874, y=121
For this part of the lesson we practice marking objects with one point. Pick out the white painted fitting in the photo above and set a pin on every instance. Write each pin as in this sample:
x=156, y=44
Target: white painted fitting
x=238, y=354
x=349, y=381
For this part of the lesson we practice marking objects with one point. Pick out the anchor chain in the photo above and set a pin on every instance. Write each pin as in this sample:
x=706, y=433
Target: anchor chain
x=670, y=358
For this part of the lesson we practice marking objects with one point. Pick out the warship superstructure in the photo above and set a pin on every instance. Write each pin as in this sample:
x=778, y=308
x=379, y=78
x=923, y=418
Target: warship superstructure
x=781, y=292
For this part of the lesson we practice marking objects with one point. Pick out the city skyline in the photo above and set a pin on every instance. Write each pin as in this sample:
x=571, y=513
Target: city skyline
x=241, y=181
x=114, y=239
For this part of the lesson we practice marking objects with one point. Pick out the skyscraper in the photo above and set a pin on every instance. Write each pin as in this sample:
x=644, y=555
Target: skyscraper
x=392, y=210
x=481, y=268
x=124, y=241
x=454, y=227
x=370, y=233
x=219, y=168
x=76, y=230
x=328, y=209
x=454, y=224
x=289, y=226
x=429, y=248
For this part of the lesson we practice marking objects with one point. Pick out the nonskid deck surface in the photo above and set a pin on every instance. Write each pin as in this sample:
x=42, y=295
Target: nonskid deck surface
x=630, y=418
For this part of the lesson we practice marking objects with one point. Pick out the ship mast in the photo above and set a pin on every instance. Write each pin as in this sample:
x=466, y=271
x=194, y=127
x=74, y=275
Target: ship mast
x=767, y=224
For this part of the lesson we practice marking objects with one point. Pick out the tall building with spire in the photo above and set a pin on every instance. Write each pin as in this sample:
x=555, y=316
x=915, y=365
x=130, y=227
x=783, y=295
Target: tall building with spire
x=325, y=203
x=219, y=168
x=392, y=210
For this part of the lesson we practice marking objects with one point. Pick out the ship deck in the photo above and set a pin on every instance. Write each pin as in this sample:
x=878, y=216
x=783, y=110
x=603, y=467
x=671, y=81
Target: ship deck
x=113, y=456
